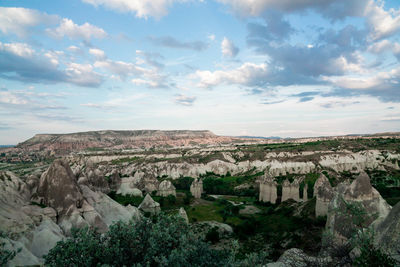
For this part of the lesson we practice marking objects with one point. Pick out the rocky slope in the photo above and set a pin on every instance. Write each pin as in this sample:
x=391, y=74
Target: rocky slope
x=35, y=215
x=66, y=143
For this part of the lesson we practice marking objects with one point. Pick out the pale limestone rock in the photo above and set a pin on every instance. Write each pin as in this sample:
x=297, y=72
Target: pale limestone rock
x=268, y=190
x=109, y=210
x=166, y=188
x=182, y=213
x=149, y=205
x=196, y=188
x=323, y=192
x=127, y=187
x=294, y=191
x=24, y=257
x=44, y=238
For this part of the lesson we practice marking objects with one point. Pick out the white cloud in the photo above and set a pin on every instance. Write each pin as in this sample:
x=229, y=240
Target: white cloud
x=19, y=21
x=381, y=80
x=82, y=74
x=249, y=74
x=141, y=8
x=381, y=22
x=18, y=49
x=74, y=49
x=18, y=61
x=228, y=48
x=149, y=77
x=98, y=53
x=384, y=46
x=85, y=31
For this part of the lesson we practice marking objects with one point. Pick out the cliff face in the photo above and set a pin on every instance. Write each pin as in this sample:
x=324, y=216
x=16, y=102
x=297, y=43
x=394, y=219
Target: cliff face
x=73, y=142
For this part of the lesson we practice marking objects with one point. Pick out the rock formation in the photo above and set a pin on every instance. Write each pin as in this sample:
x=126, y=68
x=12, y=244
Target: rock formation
x=294, y=191
x=166, y=188
x=324, y=193
x=355, y=206
x=387, y=233
x=285, y=190
x=96, y=179
x=30, y=228
x=268, y=190
x=58, y=189
x=149, y=205
x=182, y=213
x=127, y=187
x=196, y=188
x=305, y=192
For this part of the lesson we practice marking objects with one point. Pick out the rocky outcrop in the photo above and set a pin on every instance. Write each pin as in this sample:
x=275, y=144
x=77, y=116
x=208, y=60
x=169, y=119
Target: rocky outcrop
x=196, y=188
x=387, y=233
x=268, y=190
x=58, y=189
x=149, y=205
x=63, y=144
x=29, y=228
x=109, y=210
x=166, y=188
x=324, y=193
x=355, y=206
x=182, y=213
x=96, y=179
x=290, y=191
x=128, y=187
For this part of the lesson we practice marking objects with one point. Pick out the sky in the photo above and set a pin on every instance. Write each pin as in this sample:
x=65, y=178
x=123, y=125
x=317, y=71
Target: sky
x=235, y=67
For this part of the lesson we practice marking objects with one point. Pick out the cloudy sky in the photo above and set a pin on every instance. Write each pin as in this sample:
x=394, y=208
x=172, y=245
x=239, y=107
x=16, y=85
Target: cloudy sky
x=235, y=67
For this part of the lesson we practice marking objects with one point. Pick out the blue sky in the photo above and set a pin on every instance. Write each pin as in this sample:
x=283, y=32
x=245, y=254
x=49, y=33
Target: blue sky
x=235, y=67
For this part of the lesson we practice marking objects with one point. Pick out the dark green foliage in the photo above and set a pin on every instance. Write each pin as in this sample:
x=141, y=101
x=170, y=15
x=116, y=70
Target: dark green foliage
x=38, y=204
x=158, y=241
x=84, y=248
x=183, y=183
x=171, y=199
x=188, y=198
x=370, y=255
x=213, y=235
x=126, y=200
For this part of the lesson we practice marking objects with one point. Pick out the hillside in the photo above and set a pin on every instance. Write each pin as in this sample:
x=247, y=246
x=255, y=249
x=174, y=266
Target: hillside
x=65, y=143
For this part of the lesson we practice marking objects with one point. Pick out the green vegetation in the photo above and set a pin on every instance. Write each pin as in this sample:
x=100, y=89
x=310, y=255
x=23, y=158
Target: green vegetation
x=183, y=183
x=387, y=183
x=126, y=200
x=225, y=185
x=38, y=204
x=158, y=241
x=124, y=160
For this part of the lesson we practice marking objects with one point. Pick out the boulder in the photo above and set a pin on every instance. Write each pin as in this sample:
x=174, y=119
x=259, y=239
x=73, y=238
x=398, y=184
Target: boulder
x=149, y=205
x=355, y=206
x=166, y=188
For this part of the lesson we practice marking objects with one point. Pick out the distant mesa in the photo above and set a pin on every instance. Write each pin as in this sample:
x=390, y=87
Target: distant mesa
x=61, y=144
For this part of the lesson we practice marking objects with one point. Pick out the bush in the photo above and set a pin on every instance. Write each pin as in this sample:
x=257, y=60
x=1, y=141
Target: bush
x=159, y=241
